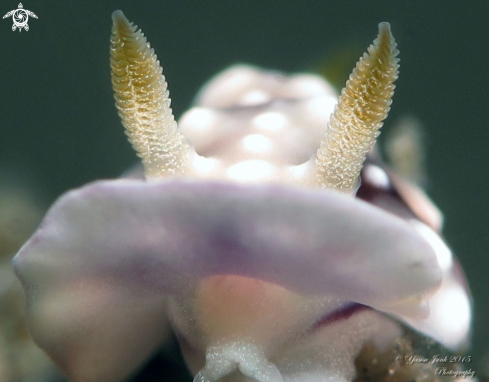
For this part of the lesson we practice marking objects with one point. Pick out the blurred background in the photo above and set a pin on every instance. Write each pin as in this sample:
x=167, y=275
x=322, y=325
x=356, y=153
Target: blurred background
x=59, y=128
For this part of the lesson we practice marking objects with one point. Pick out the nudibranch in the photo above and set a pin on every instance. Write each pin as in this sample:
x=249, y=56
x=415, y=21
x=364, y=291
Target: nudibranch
x=265, y=232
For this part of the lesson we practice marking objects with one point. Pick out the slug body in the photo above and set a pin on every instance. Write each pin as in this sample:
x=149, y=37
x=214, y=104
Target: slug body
x=264, y=231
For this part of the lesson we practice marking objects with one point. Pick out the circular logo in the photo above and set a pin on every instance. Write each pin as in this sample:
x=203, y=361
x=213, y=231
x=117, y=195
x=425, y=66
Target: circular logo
x=20, y=18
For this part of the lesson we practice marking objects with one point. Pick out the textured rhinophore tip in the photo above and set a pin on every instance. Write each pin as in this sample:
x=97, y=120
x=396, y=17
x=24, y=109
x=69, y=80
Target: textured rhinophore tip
x=143, y=101
x=362, y=106
x=118, y=17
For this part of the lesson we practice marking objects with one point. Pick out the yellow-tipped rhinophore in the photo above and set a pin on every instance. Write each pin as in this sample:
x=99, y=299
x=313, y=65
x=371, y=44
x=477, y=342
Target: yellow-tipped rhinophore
x=143, y=101
x=357, y=119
